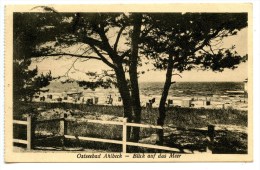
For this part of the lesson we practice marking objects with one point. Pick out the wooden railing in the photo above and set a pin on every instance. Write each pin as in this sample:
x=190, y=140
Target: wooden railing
x=64, y=126
x=29, y=132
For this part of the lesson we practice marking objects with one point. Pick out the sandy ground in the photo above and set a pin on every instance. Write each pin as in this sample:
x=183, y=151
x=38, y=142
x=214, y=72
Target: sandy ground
x=50, y=150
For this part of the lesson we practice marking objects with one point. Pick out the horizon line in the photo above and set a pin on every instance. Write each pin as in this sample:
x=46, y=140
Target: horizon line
x=186, y=81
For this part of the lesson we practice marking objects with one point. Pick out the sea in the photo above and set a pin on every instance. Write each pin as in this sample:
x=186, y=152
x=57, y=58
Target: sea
x=192, y=88
x=178, y=89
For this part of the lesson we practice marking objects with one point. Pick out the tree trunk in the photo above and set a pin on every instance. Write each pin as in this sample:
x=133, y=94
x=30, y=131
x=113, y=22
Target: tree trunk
x=162, y=109
x=137, y=21
x=125, y=95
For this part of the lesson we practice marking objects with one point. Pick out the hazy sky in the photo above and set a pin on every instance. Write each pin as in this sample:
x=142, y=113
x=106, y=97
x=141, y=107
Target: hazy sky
x=59, y=67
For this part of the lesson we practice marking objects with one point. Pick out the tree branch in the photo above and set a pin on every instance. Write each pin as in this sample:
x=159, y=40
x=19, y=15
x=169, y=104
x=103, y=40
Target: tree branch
x=176, y=74
x=68, y=54
x=86, y=51
x=106, y=46
x=118, y=37
x=92, y=41
x=125, y=54
x=211, y=49
x=103, y=58
x=206, y=52
x=206, y=40
x=145, y=32
x=72, y=66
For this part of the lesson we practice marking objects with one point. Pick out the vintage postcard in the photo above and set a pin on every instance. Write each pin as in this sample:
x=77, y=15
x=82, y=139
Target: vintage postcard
x=128, y=83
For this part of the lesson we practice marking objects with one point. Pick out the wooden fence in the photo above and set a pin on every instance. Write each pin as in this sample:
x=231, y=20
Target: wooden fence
x=30, y=123
x=29, y=132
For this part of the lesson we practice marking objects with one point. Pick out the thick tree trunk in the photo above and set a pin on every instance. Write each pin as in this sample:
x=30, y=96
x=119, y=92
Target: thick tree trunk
x=125, y=95
x=162, y=109
x=137, y=21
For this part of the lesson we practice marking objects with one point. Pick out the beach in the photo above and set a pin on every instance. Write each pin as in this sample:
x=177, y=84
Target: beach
x=219, y=95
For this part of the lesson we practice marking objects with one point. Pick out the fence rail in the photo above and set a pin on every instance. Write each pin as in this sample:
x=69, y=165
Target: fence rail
x=29, y=132
x=63, y=120
x=20, y=122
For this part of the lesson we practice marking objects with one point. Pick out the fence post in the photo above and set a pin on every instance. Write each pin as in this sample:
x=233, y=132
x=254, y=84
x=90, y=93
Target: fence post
x=63, y=127
x=124, y=137
x=29, y=132
x=211, y=132
x=63, y=124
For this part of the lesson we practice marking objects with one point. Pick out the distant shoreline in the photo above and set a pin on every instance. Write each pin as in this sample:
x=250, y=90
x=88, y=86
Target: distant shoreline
x=194, y=82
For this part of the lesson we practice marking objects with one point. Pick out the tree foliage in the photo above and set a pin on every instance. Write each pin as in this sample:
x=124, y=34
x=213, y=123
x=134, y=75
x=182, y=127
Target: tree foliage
x=194, y=39
x=52, y=34
x=26, y=82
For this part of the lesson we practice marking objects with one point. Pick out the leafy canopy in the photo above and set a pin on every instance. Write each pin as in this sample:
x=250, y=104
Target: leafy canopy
x=26, y=82
x=194, y=40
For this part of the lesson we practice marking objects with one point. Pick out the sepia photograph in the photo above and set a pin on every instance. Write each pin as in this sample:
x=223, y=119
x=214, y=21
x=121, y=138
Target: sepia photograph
x=125, y=84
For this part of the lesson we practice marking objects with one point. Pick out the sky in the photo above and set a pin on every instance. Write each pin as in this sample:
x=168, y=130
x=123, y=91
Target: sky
x=60, y=67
